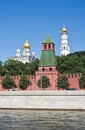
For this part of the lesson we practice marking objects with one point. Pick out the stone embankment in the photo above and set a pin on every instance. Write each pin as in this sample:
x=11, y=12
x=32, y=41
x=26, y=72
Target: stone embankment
x=47, y=100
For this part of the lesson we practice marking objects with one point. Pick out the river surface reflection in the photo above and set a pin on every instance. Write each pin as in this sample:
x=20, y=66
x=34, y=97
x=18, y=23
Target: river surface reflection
x=41, y=120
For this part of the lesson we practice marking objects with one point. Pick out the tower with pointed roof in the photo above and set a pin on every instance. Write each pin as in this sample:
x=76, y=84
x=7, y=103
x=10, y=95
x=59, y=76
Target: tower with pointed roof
x=65, y=48
x=47, y=65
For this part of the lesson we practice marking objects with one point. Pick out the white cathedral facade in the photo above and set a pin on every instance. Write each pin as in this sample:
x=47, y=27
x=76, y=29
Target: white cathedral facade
x=26, y=55
x=64, y=48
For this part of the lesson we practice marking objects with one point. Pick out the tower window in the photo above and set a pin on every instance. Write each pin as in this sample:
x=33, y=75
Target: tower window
x=53, y=46
x=49, y=46
x=50, y=69
x=43, y=69
x=67, y=48
x=45, y=46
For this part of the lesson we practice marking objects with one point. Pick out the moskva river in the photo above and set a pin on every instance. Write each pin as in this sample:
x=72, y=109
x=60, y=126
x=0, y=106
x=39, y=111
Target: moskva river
x=41, y=120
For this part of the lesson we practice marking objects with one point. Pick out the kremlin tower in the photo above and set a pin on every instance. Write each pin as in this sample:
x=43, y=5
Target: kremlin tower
x=64, y=49
x=48, y=65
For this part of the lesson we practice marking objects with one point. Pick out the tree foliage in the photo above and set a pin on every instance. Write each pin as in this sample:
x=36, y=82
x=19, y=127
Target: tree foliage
x=2, y=70
x=30, y=68
x=8, y=83
x=14, y=67
x=43, y=82
x=78, y=53
x=70, y=64
x=63, y=82
x=23, y=82
x=82, y=81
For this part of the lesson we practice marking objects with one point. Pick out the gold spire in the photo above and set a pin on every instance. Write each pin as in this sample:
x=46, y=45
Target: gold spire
x=64, y=30
x=26, y=45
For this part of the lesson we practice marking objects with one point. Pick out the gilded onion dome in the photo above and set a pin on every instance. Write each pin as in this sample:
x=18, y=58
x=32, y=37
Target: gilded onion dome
x=64, y=30
x=26, y=45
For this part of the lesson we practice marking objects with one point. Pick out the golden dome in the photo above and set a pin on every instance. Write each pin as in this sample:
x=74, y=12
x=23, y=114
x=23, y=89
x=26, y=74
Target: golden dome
x=26, y=45
x=64, y=30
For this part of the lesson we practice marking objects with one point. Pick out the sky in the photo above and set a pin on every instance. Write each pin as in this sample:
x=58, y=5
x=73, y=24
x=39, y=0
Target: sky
x=33, y=20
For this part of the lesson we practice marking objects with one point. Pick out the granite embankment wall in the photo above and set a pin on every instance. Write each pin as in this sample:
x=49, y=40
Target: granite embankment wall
x=57, y=100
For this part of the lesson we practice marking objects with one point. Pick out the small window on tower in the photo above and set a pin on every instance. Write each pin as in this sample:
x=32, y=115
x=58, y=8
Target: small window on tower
x=45, y=46
x=49, y=46
x=53, y=46
x=66, y=48
x=43, y=69
x=50, y=69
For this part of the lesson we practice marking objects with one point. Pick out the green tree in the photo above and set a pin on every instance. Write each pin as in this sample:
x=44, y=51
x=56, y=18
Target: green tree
x=27, y=68
x=78, y=53
x=8, y=83
x=82, y=81
x=23, y=82
x=14, y=67
x=82, y=59
x=43, y=82
x=2, y=69
x=69, y=64
x=34, y=66
x=63, y=82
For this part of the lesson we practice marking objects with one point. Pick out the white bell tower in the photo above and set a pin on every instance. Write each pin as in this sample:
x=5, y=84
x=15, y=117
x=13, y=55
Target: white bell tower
x=64, y=49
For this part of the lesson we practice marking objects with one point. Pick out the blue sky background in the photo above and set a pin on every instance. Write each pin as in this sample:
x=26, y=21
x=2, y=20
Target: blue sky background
x=35, y=19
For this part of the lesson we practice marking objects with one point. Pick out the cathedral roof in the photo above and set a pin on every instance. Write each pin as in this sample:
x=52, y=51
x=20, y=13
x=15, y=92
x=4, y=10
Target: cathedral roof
x=27, y=45
x=47, y=40
x=18, y=50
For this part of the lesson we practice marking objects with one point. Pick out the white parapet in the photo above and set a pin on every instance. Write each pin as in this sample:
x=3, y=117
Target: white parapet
x=57, y=100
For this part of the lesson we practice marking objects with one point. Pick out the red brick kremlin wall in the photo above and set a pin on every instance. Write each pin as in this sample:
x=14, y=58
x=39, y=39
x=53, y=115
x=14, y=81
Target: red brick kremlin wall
x=73, y=80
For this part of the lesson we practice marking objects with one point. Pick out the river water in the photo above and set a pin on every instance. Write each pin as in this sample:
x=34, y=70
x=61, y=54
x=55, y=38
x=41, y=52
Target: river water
x=41, y=120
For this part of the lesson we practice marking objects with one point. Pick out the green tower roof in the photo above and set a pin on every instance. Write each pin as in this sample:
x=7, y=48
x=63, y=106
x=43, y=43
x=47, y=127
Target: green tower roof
x=47, y=40
x=47, y=58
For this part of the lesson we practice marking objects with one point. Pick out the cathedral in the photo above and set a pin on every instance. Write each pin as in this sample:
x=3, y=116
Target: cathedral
x=26, y=55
